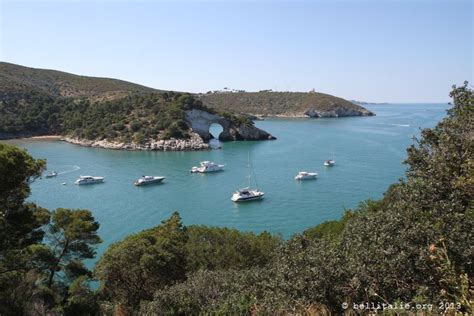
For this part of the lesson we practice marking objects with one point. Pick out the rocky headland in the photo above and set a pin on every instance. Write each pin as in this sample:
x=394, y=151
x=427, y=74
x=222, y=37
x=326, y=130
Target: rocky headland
x=195, y=142
x=200, y=122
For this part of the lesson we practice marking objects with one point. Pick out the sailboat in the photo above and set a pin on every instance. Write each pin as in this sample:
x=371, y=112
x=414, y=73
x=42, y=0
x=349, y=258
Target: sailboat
x=330, y=162
x=247, y=193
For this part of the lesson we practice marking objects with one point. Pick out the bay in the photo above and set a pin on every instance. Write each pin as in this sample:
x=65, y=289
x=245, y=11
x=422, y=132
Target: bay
x=368, y=151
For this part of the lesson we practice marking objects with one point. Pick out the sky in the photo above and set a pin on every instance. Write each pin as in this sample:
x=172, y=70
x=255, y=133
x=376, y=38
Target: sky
x=376, y=51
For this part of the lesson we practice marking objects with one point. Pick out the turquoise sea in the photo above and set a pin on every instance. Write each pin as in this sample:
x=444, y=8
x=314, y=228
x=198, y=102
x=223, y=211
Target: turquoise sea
x=368, y=151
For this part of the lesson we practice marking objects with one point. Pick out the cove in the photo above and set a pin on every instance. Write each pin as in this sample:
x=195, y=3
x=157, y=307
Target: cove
x=368, y=150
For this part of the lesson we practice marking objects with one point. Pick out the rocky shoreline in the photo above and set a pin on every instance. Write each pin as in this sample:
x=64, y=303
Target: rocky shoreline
x=313, y=114
x=193, y=143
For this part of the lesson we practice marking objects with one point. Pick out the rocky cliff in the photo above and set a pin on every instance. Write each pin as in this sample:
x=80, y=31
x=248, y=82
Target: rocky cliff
x=200, y=122
x=338, y=112
x=195, y=142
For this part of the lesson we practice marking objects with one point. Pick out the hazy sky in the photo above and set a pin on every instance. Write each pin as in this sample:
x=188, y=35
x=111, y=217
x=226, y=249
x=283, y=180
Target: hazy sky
x=395, y=51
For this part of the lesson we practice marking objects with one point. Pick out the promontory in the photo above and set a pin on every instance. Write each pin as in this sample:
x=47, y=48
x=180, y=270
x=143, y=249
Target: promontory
x=115, y=114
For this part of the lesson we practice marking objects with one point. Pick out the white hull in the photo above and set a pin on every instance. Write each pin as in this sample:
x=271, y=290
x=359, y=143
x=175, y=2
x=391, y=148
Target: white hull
x=252, y=196
x=147, y=181
x=207, y=167
x=302, y=178
x=83, y=180
x=329, y=163
x=303, y=175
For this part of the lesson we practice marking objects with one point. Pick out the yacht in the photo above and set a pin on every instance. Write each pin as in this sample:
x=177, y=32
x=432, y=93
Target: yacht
x=207, y=166
x=329, y=162
x=144, y=180
x=52, y=174
x=88, y=180
x=247, y=194
x=303, y=175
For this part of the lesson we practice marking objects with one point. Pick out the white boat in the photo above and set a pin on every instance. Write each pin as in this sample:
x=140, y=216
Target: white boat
x=207, y=166
x=248, y=194
x=303, y=175
x=329, y=163
x=52, y=174
x=88, y=180
x=144, y=180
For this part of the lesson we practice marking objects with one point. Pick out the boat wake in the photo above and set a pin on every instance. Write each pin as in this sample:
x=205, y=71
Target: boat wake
x=70, y=169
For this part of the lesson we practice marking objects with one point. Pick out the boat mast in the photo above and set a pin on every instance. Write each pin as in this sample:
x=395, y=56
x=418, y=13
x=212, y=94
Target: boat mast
x=248, y=167
x=253, y=173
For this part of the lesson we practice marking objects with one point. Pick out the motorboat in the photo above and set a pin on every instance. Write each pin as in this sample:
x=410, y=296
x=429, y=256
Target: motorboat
x=88, y=180
x=144, y=180
x=52, y=174
x=329, y=162
x=207, y=166
x=247, y=194
x=303, y=175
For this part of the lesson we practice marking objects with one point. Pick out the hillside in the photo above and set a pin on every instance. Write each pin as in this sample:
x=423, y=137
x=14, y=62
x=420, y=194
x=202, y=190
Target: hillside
x=109, y=113
x=18, y=80
x=292, y=104
x=117, y=114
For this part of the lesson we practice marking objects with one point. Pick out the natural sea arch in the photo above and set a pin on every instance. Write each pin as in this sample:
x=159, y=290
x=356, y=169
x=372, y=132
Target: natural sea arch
x=215, y=129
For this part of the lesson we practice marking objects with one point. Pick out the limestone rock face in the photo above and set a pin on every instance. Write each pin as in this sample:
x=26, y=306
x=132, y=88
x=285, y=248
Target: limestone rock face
x=195, y=142
x=339, y=112
x=200, y=122
x=250, y=132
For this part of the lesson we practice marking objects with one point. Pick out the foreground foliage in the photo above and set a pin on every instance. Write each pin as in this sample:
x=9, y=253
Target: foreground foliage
x=41, y=252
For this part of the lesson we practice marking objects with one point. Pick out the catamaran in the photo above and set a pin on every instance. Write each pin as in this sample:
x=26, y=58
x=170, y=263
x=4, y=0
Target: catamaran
x=248, y=194
x=330, y=162
x=207, y=166
x=144, y=180
x=88, y=180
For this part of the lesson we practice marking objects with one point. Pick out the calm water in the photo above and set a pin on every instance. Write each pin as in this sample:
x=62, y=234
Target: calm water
x=368, y=153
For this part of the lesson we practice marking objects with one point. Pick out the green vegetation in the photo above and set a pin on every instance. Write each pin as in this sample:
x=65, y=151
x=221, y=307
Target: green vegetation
x=268, y=103
x=137, y=117
x=41, y=253
x=39, y=102
x=132, y=270
x=412, y=246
